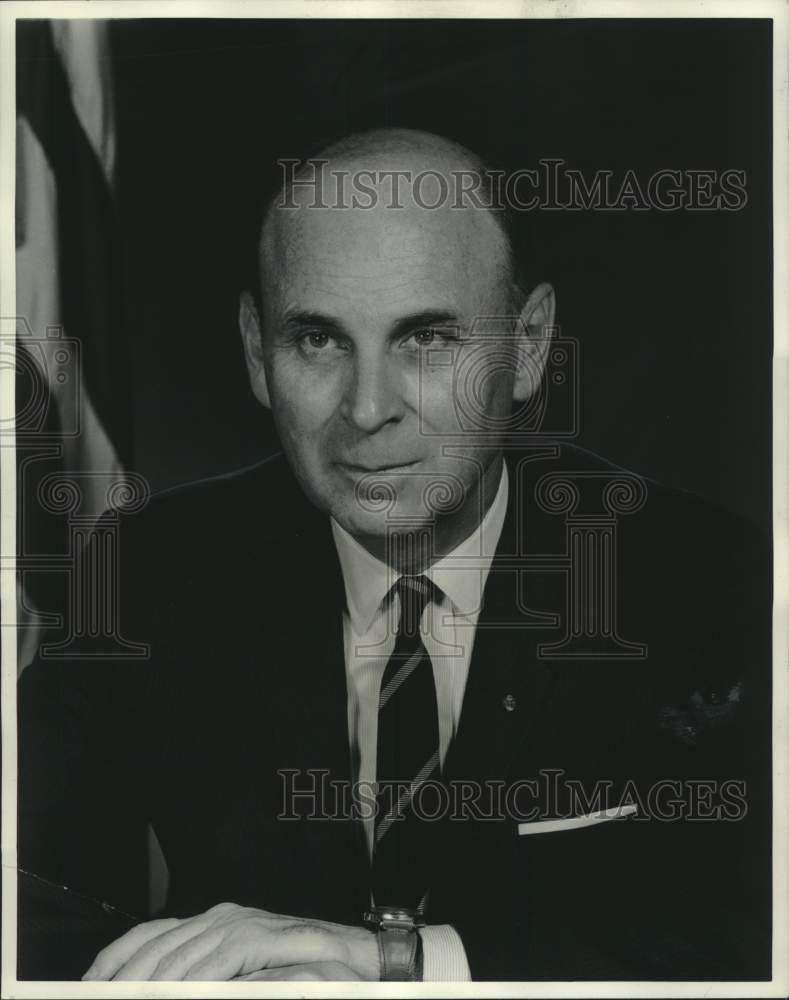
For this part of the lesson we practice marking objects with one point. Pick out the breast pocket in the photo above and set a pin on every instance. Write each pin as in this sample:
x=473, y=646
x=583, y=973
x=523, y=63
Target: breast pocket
x=563, y=824
x=578, y=857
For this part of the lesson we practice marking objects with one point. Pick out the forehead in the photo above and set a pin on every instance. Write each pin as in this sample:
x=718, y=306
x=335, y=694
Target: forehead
x=382, y=262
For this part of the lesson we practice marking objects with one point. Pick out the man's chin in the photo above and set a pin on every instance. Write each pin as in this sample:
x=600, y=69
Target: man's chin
x=393, y=520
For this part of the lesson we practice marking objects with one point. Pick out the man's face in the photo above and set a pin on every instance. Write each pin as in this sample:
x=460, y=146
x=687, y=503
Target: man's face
x=373, y=365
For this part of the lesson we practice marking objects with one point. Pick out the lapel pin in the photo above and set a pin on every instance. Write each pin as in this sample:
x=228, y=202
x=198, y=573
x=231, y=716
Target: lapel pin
x=509, y=703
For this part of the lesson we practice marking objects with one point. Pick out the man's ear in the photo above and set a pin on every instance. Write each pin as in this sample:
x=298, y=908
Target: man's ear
x=535, y=330
x=251, y=335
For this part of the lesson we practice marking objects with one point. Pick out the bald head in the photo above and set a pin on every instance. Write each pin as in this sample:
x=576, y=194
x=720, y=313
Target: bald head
x=409, y=145
x=387, y=329
x=391, y=180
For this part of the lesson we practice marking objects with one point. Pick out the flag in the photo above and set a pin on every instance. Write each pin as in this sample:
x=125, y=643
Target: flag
x=72, y=412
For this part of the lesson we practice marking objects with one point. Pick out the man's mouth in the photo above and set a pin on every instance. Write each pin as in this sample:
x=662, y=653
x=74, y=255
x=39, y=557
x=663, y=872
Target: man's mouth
x=367, y=469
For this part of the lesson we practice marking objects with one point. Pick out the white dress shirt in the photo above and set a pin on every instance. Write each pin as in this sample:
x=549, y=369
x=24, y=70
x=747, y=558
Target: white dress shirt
x=449, y=624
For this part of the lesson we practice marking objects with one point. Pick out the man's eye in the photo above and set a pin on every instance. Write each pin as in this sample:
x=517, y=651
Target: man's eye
x=317, y=339
x=321, y=347
x=425, y=337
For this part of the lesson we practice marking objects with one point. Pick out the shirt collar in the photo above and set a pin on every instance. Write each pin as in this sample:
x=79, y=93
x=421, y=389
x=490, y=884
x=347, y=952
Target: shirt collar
x=461, y=574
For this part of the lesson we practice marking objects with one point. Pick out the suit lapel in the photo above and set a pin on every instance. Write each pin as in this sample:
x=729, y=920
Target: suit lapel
x=509, y=688
x=307, y=693
x=508, y=685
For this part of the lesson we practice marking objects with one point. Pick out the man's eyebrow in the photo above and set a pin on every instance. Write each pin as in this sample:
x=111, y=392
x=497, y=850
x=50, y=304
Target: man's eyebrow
x=428, y=317
x=299, y=319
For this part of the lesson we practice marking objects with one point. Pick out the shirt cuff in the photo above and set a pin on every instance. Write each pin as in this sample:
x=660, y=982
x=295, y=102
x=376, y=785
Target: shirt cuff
x=443, y=955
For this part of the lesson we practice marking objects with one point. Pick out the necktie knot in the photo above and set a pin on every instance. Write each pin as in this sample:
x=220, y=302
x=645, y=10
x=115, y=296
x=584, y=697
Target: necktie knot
x=415, y=592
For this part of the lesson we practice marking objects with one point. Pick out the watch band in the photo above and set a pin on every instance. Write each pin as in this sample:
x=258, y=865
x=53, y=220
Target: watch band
x=399, y=943
x=400, y=952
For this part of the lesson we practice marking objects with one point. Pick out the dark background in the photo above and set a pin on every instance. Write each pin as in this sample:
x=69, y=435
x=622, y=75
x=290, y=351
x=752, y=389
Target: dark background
x=673, y=311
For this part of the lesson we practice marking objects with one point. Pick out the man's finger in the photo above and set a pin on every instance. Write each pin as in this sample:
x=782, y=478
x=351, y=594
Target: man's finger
x=111, y=958
x=145, y=963
x=221, y=957
x=251, y=946
x=176, y=964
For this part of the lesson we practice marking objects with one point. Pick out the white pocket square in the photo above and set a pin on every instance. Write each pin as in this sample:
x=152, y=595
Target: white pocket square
x=575, y=822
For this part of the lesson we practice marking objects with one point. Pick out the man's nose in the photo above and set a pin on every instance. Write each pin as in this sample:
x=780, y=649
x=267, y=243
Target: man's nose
x=373, y=397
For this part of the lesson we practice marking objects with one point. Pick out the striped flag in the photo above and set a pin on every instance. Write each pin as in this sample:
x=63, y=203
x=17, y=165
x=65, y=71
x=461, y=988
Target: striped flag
x=73, y=411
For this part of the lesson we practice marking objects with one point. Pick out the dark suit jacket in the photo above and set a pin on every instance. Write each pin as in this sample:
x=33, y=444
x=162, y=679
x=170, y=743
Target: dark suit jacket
x=235, y=584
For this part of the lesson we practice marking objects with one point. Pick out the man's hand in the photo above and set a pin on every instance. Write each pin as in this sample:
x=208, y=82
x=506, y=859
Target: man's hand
x=229, y=941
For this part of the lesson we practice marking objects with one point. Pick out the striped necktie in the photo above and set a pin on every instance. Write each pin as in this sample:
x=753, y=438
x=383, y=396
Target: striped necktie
x=408, y=756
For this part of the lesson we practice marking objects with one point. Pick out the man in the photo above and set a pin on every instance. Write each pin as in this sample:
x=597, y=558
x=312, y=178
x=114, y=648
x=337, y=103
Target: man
x=391, y=609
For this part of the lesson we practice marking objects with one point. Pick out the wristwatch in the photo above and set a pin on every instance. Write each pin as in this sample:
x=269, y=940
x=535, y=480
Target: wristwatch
x=399, y=943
